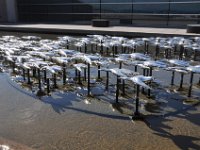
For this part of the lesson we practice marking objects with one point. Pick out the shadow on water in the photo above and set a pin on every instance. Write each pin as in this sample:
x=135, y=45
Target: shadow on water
x=65, y=102
x=184, y=142
x=18, y=88
x=62, y=102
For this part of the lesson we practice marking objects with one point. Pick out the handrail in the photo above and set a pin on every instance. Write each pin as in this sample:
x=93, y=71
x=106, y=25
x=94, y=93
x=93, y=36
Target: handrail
x=146, y=14
x=124, y=3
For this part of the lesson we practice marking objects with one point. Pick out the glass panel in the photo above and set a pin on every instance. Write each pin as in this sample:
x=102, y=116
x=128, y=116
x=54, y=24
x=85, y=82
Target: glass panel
x=60, y=8
x=83, y=17
x=37, y=9
x=86, y=8
x=116, y=8
x=161, y=8
x=185, y=8
x=81, y=10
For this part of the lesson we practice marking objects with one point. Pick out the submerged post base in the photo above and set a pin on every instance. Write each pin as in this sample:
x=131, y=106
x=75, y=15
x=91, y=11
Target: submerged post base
x=40, y=93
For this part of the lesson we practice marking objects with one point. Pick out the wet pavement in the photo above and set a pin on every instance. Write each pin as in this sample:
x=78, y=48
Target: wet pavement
x=68, y=123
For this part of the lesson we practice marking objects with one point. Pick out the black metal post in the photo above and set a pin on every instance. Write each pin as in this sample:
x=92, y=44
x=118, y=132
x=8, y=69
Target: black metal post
x=199, y=81
x=67, y=44
x=88, y=79
x=175, y=48
x=24, y=74
x=195, y=55
x=123, y=87
x=120, y=65
x=13, y=66
x=101, y=51
x=76, y=71
x=135, y=48
x=150, y=74
x=113, y=50
x=147, y=72
x=181, y=52
x=39, y=81
x=191, y=82
x=99, y=72
x=136, y=68
x=28, y=74
x=172, y=79
x=48, y=85
x=107, y=49
x=146, y=47
x=137, y=101
x=123, y=49
x=116, y=50
x=92, y=48
x=144, y=74
x=96, y=47
x=157, y=51
x=117, y=90
x=45, y=75
x=107, y=80
x=64, y=74
x=167, y=53
x=85, y=48
x=79, y=77
x=151, y=71
x=34, y=72
x=181, y=82
x=85, y=74
x=54, y=80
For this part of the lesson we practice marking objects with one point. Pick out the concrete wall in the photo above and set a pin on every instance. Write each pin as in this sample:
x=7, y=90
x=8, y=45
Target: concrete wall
x=8, y=11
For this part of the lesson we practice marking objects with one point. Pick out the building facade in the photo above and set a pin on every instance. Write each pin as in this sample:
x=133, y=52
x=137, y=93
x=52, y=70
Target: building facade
x=118, y=12
x=8, y=11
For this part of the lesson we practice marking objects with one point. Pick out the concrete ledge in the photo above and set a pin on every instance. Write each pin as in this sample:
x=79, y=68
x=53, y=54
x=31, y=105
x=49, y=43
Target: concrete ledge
x=88, y=29
x=193, y=28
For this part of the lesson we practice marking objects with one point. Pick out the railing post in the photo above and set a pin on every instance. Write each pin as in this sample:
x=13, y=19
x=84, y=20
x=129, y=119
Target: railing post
x=169, y=9
x=100, y=9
